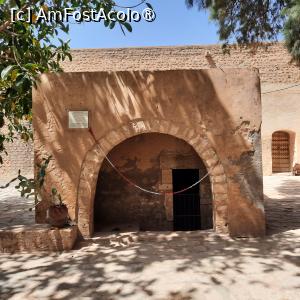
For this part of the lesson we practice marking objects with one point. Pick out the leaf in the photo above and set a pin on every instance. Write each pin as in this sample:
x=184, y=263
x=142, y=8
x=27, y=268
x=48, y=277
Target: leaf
x=24, y=137
x=127, y=26
x=34, y=18
x=6, y=72
x=14, y=74
x=149, y=5
x=112, y=25
x=45, y=8
x=1, y=119
x=31, y=66
x=69, y=56
x=42, y=173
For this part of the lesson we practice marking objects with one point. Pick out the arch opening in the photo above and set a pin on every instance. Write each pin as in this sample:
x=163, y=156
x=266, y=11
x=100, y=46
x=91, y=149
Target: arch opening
x=95, y=157
x=158, y=162
x=282, y=151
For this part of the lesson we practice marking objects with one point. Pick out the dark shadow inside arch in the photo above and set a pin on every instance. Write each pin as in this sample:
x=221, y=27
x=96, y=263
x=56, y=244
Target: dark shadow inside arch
x=149, y=160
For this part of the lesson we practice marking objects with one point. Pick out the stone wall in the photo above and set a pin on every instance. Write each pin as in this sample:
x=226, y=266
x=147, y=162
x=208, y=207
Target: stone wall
x=38, y=237
x=217, y=112
x=272, y=61
x=20, y=157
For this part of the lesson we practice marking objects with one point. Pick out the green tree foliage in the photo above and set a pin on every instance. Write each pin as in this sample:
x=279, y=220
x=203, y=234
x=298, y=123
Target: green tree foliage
x=255, y=21
x=291, y=29
x=28, y=50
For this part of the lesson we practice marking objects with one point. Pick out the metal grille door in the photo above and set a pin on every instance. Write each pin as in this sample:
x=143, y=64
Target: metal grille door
x=187, y=212
x=280, y=152
x=186, y=206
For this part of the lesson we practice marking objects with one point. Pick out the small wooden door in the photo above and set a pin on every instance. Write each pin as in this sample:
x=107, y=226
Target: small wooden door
x=280, y=152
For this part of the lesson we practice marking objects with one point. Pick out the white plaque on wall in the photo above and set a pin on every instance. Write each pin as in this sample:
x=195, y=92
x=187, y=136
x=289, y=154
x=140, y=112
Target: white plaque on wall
x=78, y=119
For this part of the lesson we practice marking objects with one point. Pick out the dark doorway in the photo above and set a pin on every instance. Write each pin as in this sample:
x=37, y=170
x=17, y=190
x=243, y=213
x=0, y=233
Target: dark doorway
x=186, y=205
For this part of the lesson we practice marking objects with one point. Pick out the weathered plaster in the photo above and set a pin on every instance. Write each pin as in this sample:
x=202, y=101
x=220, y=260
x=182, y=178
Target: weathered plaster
x=204, y=108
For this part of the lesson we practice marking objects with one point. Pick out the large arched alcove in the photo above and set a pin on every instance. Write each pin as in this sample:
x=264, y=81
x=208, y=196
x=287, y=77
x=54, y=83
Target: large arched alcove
x=160, y=163
x=95, y=157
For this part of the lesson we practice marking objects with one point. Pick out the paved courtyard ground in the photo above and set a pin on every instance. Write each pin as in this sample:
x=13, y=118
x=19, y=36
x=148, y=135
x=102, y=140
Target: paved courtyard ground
x=195, y=265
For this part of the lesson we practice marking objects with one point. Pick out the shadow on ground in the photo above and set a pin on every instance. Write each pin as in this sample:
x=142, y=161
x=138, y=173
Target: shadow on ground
x=282, y=203
x=174, y=265
x=170, y=265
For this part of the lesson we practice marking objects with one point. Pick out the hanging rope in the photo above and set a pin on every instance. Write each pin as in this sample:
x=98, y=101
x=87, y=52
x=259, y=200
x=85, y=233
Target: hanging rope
x=131, y=183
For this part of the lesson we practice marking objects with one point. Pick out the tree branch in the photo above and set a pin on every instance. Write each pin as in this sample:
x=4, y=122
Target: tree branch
x=130, y=7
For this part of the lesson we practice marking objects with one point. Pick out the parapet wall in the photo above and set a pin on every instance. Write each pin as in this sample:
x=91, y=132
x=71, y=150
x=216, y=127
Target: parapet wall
x=272, y=60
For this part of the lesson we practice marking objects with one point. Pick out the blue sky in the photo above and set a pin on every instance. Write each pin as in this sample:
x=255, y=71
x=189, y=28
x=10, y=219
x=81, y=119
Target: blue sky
x=174, y=25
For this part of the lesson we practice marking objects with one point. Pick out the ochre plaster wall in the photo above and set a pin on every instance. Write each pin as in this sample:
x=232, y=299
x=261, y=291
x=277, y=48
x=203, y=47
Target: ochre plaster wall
x=216, y=111
x=280, y=112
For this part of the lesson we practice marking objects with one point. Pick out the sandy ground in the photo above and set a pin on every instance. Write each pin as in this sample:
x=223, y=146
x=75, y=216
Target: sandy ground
x=186, y=265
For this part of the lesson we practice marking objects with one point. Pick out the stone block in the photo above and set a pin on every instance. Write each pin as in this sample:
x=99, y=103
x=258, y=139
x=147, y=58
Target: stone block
x=38, y=237
x=220, y=188
x=219, y=179
x=207, y=154
x=220, y=199
x=165, y=187
x=169, y=207
x=217, y=170
x=166, y=176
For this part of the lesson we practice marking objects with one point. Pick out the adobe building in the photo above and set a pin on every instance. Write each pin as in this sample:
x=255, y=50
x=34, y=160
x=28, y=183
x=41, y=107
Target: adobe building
x=124, y=142
x=156, y=110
